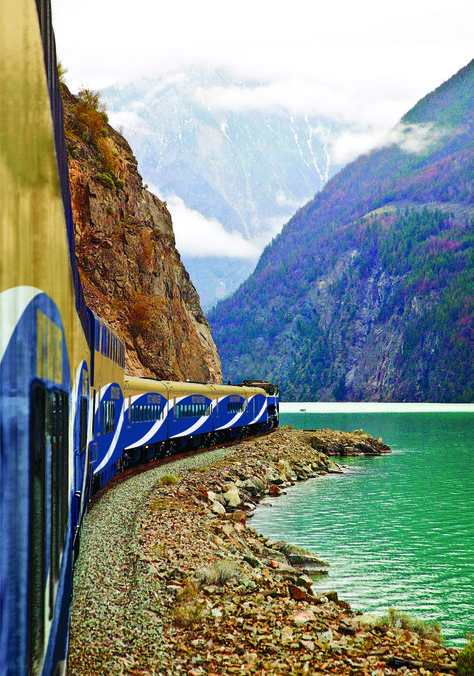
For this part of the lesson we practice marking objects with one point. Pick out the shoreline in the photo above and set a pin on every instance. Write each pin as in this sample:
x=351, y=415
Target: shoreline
x=173, y=580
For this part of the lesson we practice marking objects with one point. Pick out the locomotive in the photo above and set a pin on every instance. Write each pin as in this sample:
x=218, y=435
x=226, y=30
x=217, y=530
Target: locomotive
x=70, y=418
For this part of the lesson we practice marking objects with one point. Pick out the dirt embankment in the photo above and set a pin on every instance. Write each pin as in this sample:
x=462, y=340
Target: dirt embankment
x=173, y=579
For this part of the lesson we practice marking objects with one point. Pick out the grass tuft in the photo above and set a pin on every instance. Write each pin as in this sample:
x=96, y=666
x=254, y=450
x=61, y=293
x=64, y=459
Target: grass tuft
x=189, y=609
x=169, y=480
x=395, y=619
x=218, y=573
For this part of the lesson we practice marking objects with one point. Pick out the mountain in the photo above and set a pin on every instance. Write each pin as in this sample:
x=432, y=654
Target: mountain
x=368, y=291
x=131, y=272
x=227, y=153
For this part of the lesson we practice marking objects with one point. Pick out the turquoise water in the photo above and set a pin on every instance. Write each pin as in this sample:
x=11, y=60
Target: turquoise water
x=398, y=530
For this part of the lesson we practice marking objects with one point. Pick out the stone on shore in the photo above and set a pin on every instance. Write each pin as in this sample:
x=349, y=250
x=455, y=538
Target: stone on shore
x=304, y=558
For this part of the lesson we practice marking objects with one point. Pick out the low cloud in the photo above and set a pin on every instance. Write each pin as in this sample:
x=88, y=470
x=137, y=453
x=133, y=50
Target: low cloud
x=414, y=138
x=299, y=97
x=411, y=138
x=349, y=145
x=202, y=237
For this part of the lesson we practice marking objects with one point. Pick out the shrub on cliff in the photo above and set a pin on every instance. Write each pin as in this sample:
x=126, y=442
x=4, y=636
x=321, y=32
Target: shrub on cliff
x=90, y=112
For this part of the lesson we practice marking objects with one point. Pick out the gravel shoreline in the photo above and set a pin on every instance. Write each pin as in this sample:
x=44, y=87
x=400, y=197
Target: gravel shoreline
x=171, y=578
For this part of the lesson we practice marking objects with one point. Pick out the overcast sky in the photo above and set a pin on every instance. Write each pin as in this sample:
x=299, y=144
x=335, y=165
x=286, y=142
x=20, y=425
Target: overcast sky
x=379, y=57
x=368, y=61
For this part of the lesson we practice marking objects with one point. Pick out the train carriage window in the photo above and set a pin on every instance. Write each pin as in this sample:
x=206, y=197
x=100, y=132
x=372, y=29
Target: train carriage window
x=59, y=405
x=235, y=407
x=108, y=417
x=37, y=532
x=83, y=425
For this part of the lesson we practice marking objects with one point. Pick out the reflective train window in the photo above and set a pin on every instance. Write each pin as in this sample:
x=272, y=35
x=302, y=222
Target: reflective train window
x=37, y=535
x=59, y=483
x=49, y=423
x=108, y=416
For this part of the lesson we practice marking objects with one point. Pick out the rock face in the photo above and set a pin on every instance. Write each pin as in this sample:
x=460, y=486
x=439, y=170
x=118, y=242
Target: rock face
x=132, y=274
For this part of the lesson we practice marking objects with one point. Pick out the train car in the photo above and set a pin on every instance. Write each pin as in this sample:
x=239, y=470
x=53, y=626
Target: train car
x=273, y=400
x=107, y=382
x=44, y=354
x=164, y=417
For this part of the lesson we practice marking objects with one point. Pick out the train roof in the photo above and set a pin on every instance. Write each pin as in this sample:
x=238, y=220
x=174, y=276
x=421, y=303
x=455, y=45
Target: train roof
x=172, y=388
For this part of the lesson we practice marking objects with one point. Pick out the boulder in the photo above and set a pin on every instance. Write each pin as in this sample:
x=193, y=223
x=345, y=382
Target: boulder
x=249, y=486
x=297, y=593
x=301, y=557
x=260, y=486
x=232, y=497
x=218, y=508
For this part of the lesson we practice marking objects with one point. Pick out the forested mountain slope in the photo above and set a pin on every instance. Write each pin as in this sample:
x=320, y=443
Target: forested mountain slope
x=368, y=292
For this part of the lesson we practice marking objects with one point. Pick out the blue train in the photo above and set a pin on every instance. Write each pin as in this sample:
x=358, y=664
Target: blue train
x=70, y=419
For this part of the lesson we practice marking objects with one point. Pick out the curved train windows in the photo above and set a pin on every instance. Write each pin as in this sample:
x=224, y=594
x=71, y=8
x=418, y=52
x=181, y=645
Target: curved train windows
x=49, y=431
x=37, y=535
x=235, y=407
x=192, y=410
x=59, y=406
x=83, y=424
x=148, y=413
x=108, y=416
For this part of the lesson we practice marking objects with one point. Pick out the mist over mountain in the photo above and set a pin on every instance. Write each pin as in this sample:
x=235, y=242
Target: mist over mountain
x=368, y=291
x=232, y=164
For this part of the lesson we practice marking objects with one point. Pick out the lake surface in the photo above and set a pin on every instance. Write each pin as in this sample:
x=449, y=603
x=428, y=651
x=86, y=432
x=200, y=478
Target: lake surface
x=398, y=530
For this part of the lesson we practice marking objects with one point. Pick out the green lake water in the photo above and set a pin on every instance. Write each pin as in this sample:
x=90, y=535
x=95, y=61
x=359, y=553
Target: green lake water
x=398, y=530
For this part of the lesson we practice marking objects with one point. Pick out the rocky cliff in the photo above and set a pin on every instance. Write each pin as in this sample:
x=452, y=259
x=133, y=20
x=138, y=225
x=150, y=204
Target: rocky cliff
x=132, y=274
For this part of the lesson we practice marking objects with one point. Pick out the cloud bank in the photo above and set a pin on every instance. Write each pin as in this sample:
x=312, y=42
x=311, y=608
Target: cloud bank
x=203, y=237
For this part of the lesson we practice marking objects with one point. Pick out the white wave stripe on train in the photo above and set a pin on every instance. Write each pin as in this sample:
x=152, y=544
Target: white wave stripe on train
x=260, y=413
x=115, y=439
x=193, y=428
x=232, y=422
x=151, y=432
x=197, y=424
x=13, y=303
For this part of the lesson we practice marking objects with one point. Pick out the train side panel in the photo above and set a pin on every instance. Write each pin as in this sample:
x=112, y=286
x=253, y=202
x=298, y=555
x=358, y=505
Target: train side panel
x=42, y=346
